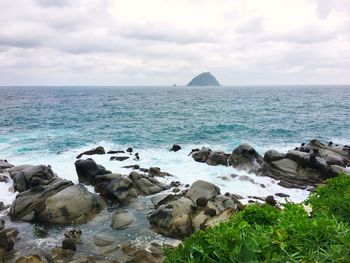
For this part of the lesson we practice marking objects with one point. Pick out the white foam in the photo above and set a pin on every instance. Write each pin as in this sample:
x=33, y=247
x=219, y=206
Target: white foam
x=182, y=166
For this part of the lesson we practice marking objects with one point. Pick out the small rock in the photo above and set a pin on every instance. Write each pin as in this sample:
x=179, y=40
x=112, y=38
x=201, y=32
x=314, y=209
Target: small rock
x=121, y=220
x=69, y=243
x=103, y=240
x=129, y=150
x=281, y=195
x=74, y=234
x=119, y=158
x=176, y=190
x=175, y=148
x=115, y=152
x=270, y=200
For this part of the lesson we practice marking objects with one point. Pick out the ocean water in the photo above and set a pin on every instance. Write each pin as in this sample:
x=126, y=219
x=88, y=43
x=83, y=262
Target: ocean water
x=51, y=125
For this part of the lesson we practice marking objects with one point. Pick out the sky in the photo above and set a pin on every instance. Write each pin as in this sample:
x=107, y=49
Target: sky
x=166, y=42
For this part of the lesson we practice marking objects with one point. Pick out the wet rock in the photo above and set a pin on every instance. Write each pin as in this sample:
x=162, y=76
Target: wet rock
x=69, y=243
x=119, y=158
x=115, y=152
x=217, y=158
x=122, y=220
x=74, y=234
x=270, y=200
x=202, y=189
x=4, y=164
x=98, y=150
x=22, y=175
x=281, y=195
x=87, y=170
x=129, y=150
x=245, y=157
x=273, y=155
x=103, y=240
x=201, y=155
x=175, y=148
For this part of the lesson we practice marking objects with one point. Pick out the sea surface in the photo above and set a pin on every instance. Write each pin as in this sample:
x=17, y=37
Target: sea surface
x=52, y=125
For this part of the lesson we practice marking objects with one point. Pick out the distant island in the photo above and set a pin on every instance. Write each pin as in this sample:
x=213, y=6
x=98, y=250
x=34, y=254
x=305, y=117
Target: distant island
x=204, y=79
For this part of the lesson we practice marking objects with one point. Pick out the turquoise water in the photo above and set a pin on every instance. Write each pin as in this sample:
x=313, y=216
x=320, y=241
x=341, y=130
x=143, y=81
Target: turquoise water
x=54, y=119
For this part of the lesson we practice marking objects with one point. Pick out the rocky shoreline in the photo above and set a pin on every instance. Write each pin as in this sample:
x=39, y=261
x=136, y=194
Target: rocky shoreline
x=147, y=200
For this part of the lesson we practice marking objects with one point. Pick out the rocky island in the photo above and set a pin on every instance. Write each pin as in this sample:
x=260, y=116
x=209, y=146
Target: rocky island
x=204, y=79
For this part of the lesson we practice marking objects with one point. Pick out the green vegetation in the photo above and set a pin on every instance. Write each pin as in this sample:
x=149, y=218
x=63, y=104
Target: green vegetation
x=261, y=233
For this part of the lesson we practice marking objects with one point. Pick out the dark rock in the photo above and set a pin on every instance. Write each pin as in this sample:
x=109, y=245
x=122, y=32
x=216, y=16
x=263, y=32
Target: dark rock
x=201, y=202
x=270, y=200
x=74, y=234
x=129, y=150
x=204, y=79
x=119, y=158
x=245, y=157
x=175, y=148
x=135, y=166
x=193, y=150
x=137, y=157
x=210, y=212
x=161, y=199
x=281, y=195
x=97, y=150
x=115, y=152
x=87, y=170
x=69, y=243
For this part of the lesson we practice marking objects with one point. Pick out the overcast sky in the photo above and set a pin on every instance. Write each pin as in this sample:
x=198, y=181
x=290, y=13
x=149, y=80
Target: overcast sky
x=161, y=42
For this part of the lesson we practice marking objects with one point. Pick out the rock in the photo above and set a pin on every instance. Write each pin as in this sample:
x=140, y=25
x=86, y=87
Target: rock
x=97, y=150
x=201, y=202
x=210, y=212
x=119, y=158
x=173, y=219
x=2, y=224
x=270, y=200
x=201, y=155
x=69, y=243
x=135, y=166
x=103, y=240
x=335, y=170
x=281, y=195
x=224, y=216
x=291, y=175
x=161, y=199
x=176, y=190
x=30, y=259
x=5, y=165
x=61, y=255
x=202, y=189
x=23, y=175
x=146, y=185
x=300, y=157
x=87, y=170
x=175, y=148
x=129, y=150
x=273, y=155
x=74, y=234
x=204, y=79
x=115, y=152
x=121, y=220
x=58, y=202
x=155, y=171
x=245, y=157
x=216, y=158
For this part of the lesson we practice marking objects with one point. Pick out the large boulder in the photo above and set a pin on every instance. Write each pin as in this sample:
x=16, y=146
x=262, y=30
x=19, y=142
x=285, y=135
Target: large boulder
x=202, y=189
x=245, y=157
x=146, y=185
x=273, y=155
x=87, y=170
x=22, y=175
x=56, y=201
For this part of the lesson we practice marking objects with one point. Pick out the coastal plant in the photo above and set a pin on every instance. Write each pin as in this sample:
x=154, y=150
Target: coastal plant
x=262, y=233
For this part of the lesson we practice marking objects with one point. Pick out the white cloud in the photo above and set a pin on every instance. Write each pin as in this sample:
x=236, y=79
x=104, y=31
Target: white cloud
x=117, y=42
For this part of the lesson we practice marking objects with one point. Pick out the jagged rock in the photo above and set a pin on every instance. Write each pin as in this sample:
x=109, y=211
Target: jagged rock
x=87, y=170
x=22, y=175
x=245, y=157
x=122, y=220
x=216, y=158
x=98, y=150
x=201, y=155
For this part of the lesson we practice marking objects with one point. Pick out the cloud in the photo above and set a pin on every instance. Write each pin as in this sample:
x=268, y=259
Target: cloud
x=160, y=42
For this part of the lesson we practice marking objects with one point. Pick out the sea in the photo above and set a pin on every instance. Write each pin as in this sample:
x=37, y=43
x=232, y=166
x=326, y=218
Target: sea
x=52, y=125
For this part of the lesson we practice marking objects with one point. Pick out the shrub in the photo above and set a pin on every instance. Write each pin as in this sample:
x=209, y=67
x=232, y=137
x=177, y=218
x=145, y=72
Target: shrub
x=261, y=233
